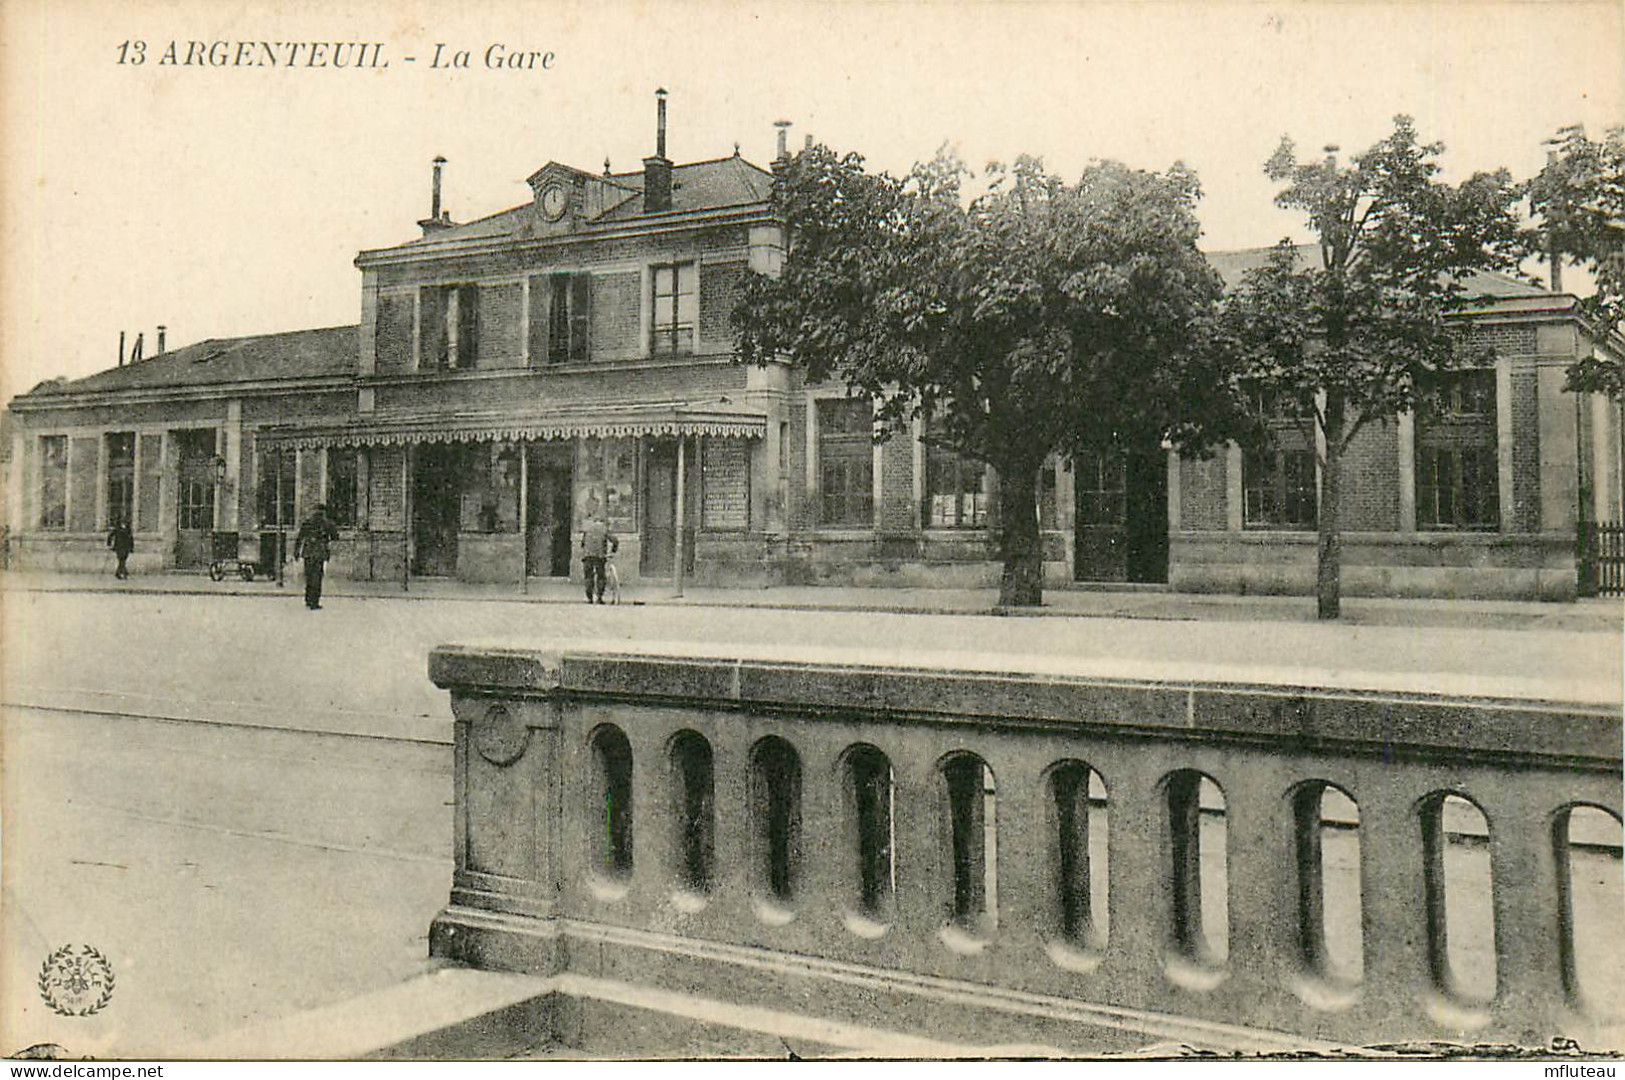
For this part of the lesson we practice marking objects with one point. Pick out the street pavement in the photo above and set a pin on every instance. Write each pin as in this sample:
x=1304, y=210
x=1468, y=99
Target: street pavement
x=187, y=778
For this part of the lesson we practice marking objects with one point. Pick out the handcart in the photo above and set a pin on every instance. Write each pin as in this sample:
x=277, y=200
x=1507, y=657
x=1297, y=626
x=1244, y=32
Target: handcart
x=224, y=558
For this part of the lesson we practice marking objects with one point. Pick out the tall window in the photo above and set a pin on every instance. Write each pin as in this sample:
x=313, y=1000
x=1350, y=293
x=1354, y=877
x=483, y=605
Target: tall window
x=121, y=479
x=53, y=481
x=449, y=326
x=954, y=488
x=197, y=502
x=1458, y=483
x=270, y=463
x=1278, y=487
x=846, y=494
x=568, y=298
x=341, y=486
x=676, y=309
x=1102, y=488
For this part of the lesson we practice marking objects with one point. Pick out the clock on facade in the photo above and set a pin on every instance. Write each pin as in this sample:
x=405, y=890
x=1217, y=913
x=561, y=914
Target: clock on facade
x=554, y=201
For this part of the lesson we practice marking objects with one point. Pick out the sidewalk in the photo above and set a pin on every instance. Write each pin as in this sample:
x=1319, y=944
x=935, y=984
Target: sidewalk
x=1596, y=615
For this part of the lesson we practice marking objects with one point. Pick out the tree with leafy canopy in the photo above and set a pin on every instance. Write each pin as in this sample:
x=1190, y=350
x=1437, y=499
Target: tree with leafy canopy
x=1362, y=333
x=1577, y=211
x=1039, y=316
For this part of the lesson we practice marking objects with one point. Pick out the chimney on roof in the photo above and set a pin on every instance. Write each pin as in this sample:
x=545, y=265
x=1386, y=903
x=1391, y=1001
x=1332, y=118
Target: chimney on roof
x=806, y=143
x=438, y=218
x=161, y=329
x=121, y=348
x=784, y=139
x=135, y=351
x=657, y=169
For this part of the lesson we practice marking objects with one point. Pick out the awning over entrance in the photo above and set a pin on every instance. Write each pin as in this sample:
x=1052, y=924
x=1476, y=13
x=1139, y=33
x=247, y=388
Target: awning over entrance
x=603, y=422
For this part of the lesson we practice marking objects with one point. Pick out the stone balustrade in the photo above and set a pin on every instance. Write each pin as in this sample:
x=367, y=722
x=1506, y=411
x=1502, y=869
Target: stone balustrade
x=1089, y=862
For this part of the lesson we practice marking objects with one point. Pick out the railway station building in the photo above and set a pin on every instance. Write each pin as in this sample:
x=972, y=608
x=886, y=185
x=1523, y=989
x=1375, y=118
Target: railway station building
x=510, y=376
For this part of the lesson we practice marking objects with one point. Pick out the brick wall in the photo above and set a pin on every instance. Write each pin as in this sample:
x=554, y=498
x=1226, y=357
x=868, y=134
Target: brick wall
x=394, y=333
x=617, y=312
x=1203, y=495
x=699, y=381
x=502, y=334
x=83, y=454
x=667, y=247
x=720, y=288
x=1506, y=340
x=897, y=483
x=798, y=514
x=1371, y=479
x=384, y=487
x=725, y=469
x=152, y=465
x=310, y=483
x=1525, y=452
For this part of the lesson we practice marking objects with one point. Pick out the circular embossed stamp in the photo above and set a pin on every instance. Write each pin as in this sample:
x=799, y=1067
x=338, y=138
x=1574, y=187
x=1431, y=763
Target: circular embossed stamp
x=500, y=736
x=76, y=980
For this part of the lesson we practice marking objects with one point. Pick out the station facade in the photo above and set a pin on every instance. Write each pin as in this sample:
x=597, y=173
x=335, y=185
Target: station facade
x=513, y=375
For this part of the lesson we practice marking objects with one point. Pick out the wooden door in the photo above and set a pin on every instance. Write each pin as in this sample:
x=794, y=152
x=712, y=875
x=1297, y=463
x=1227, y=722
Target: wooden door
x=436, y=510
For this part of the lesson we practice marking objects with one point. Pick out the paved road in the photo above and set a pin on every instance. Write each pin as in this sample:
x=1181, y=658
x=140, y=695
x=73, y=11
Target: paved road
x=193, y=853
x=364, y=659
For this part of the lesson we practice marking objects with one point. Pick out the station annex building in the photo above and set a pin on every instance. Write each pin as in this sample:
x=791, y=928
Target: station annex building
x=512, y=375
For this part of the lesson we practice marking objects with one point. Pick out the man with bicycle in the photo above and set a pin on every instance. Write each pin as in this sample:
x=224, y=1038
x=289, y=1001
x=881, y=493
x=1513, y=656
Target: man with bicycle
x=597, y=542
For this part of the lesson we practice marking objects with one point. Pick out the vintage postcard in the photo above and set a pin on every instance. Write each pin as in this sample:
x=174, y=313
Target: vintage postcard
x=565, y=531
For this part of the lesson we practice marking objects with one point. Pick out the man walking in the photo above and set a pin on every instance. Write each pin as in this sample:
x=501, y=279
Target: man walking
x=312, y=546
x=596, y=544
x=122, y=541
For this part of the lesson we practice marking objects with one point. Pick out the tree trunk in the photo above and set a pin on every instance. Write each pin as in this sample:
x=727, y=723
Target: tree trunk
x=1329, y=565
x=1022, y=584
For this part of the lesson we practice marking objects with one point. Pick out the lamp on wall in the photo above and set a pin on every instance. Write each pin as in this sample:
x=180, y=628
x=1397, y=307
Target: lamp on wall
x=219, y=464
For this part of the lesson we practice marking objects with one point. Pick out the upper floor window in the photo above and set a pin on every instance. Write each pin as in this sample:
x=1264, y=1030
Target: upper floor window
x=53, y=481
x=449, y=327
x=846, y=494
x=560, y=317
x=121, y=479
x=1457, y=458
x=676, y=309
x=1278, y=479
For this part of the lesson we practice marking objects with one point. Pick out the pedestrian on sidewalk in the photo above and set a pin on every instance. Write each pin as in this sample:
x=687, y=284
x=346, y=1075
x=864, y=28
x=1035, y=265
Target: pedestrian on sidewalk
x=122, y=541
x=596, y=544
x=312, y=545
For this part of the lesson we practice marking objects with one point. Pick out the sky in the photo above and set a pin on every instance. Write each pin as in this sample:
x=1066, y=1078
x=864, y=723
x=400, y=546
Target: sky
x=232, y=200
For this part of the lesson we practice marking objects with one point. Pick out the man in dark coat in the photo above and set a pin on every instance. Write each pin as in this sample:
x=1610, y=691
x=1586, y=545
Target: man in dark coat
x=122, y=541
x=596, y=544
x=312, y=545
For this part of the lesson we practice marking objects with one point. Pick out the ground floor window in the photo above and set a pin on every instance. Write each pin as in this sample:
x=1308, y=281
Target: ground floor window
x=955, y=489
x=846, y=480
x=269, y=465
x=53, y=482
x=1458, y=481
x=197, y=504
x=121, y=479
x=1102, y=488
x=341, y=486
x=1278, y=488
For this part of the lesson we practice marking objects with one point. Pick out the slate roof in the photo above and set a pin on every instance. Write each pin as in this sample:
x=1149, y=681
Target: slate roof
x=1234, y=265
x=700, y=185
x=296, y=354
